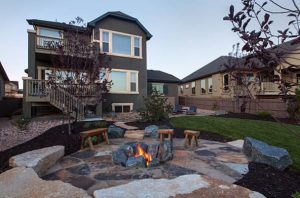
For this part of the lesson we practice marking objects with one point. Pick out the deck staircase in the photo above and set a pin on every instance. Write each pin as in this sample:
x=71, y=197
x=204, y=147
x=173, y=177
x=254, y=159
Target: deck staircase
x=61, y=96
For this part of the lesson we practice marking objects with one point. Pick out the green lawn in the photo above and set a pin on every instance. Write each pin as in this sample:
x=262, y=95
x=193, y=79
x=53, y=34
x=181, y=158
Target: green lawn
x=269, y=132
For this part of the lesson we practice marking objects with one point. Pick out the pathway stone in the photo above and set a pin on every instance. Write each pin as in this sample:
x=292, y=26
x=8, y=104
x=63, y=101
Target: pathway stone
x=82, y=169
x=84, y=154
x=125, y=126
x=40, y=160
x=134, y=134
x=237, y=143
x=24, y=182
x=69, y=161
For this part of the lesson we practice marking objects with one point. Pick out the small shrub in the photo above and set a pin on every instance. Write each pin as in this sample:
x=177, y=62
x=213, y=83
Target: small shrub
x=156, y=108
x=263, y=115
x=296, y=195
x=22, y=123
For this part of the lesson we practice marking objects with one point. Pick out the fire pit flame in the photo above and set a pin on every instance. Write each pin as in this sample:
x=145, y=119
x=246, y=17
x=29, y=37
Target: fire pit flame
x=141, y=152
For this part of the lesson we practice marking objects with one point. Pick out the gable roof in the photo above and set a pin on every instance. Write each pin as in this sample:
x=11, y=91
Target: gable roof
x=159, y=76
x=216, y=66
x=120, y=15
x=3, y=73
x=52, y=24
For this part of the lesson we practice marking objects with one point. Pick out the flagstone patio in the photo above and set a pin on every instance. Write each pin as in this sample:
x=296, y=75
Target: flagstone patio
x=93, y=169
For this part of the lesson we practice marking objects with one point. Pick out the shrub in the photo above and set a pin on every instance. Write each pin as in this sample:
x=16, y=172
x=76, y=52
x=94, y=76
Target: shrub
x=296, y=195
x=156, y=108
x=263, y=115
x=293, y=108
x=22, y=122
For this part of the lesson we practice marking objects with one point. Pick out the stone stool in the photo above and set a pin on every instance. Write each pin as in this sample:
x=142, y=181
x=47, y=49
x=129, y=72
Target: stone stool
x=163, y=132
x=191, y=136
x=94, y=132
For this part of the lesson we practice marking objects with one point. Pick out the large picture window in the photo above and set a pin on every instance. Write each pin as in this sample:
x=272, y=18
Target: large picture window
x=203, y=86
x=124, y=81
x=193, y=88
x=120, y=44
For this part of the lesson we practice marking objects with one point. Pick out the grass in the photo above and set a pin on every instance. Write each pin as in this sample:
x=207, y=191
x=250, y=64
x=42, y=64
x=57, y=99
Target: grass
x=273, y=133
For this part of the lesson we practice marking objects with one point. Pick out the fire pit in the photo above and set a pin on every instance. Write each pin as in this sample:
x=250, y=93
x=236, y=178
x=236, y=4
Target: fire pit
x=139, y=154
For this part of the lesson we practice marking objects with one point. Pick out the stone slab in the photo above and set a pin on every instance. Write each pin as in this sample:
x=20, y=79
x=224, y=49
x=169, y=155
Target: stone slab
x=39, y=160
x=23, y=182
x=125, y=126
x=237, y=143
x=134, y=134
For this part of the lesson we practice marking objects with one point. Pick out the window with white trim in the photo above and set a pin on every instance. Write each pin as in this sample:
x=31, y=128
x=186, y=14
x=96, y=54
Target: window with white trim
x=124, y=81
x=122, y=107
x=187, y=86
x=120, y=44
x=105, y=42
x=203, y=86
x=210, y=85
x=193, y=88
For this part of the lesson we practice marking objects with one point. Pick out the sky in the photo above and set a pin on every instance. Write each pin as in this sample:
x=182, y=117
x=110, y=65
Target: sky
x=187, y=34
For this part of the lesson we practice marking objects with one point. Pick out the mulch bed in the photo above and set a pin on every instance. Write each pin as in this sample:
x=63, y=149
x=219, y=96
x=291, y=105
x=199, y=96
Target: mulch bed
x=55, y=136
x=271, y=182
x=256, y=117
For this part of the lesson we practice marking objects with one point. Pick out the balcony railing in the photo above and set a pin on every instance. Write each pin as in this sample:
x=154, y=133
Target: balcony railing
x=44, y=42
x=269, y=88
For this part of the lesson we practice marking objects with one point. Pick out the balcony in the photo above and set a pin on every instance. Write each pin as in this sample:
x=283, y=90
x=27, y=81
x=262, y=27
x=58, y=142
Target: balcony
x=47, y=43
x=269, y=88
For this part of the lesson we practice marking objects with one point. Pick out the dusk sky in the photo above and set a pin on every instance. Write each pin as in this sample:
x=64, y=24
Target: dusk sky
x=187, y=34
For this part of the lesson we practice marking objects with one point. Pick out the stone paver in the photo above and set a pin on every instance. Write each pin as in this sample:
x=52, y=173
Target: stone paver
x=219, y=161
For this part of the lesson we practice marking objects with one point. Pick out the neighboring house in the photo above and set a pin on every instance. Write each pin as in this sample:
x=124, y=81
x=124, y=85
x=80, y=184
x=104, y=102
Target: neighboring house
x=11, y=88
x=122, y=37
x=165, y=83
x=3, y=80
x=215, y=80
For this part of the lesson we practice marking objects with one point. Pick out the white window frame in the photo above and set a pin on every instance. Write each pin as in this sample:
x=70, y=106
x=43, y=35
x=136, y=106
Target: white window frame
x=210, y=90
x=132, y=36
x=187, y=86
x=203, y=88
x=38, y=30
x=113, y=106
x=128, y=81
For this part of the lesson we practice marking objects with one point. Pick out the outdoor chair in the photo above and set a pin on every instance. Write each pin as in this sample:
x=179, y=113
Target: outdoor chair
x=192, y=110
x=177, y=109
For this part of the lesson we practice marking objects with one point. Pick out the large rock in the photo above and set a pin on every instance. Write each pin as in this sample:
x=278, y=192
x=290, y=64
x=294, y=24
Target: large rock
x=258, y=151
x=39, y=160
x=119, y=157
x=151, y=131
x=23, y=182
x=115, y=132
x=183, y=186
x=166, y=151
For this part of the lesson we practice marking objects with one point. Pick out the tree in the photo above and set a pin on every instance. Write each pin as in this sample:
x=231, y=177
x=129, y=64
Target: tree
x=275, y=53
x=80, y=68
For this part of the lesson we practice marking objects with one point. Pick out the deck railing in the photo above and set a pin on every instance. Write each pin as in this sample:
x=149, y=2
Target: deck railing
x=45, y=42
x=270, y=87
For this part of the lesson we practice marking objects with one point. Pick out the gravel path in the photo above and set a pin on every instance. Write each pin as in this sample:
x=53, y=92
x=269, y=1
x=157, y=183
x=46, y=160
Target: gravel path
x=11, y=136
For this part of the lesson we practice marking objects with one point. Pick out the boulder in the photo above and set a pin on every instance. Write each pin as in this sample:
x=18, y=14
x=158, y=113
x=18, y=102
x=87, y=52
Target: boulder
x=24, y=182
x=151, y=131
x=258, y=151
x=166, y=151
x=115, y=132
x=119, y=157
x=39, y=160
x=136, y=162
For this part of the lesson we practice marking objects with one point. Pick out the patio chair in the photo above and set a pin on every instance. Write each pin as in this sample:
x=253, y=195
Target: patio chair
x=177, y=109
x=192, y=110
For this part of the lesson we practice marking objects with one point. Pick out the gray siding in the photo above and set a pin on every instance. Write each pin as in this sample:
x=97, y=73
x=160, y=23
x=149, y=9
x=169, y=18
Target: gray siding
x=126, y=63
x=2, y=88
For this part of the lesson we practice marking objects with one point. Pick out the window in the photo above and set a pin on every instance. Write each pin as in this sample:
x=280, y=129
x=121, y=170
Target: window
x=121, y=44
x=48, y=38
x=226, y=82
x=105, y=42
x=122, y=107
x=187, y=86
x=239, y=79
x=298, y=79
x=202, y=86
x=181, y=89
x=193, y=88
x=158, y=87
x=124, y=81
x=136, y=46
x=133, y=79
x=210, y=85
x=250, y=78
x=50, y=33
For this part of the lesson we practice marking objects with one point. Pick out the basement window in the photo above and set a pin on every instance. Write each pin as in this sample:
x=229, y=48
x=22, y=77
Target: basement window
x=122, y=107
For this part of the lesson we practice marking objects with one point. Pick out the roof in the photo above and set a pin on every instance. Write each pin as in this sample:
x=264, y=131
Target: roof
x=52, y=24
x=122, y=16
x=216, y=66
x=3, y=73
x=159, y=76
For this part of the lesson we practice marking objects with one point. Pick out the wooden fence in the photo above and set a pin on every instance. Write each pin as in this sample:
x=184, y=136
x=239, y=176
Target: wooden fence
x=276, y=107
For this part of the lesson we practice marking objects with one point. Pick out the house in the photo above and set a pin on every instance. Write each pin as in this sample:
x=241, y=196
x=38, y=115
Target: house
x=165, y=83
x=3, y=80
x=12, y=88
x=122, y=37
